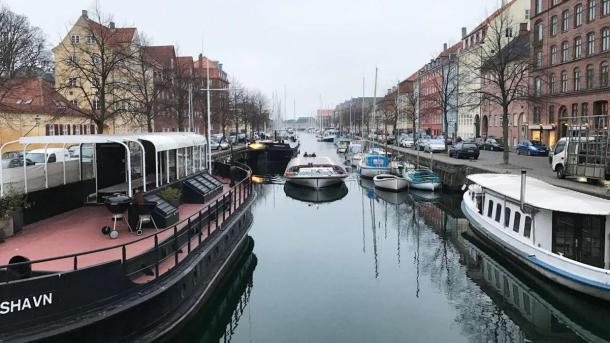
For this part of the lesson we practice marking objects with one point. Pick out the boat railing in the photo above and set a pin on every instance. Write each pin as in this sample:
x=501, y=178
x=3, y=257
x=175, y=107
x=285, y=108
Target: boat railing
x=174, y=242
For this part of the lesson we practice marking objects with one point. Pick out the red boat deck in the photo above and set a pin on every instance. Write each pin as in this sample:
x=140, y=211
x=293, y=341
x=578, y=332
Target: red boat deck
x=78, y=231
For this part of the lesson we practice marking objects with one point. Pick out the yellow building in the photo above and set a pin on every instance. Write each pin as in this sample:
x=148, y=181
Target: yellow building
x=94, y=59
x=32, y=107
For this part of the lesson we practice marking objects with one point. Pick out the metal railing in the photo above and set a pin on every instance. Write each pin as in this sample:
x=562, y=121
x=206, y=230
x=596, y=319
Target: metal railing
x=166, y=243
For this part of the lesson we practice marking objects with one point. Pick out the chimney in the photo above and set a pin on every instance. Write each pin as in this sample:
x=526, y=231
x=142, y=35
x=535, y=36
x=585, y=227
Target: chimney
x=464, y=32
x=522, y=28
x=111, y=25
x=84, y=14
x=445, y=47
x=200, y=56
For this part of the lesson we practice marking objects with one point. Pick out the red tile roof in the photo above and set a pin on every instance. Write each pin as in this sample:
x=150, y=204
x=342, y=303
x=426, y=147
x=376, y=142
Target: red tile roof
x=33, y=95
x=163, y=54
x=185, y=64
x=124, y=35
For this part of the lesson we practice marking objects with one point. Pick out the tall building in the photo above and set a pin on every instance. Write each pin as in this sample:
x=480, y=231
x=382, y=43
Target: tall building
x=570, y=50
x=469, y=120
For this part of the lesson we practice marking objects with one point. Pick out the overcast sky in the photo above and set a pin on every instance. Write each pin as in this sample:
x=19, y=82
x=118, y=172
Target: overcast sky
x=319, y=49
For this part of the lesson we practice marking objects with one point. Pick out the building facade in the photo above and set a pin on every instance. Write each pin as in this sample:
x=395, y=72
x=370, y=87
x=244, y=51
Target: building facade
x=571, y=55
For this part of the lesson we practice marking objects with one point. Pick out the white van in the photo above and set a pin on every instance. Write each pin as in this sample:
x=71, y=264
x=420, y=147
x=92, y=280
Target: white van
x=53, y=155
x=566, y=159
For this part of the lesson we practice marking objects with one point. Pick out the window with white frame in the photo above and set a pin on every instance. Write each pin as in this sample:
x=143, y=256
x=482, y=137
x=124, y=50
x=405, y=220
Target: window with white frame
x=605, y=38
x=75, y=39
x=90, y=39
x=96, y=104
x=554, y=56
x=577, y=47
x=565, y=20
x=590, y=43
x=578, y=11
x=592, y=10
x=565, y=52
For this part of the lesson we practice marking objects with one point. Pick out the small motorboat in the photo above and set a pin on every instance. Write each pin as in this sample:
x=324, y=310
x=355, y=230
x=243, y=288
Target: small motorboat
x=390, y=182
x=342, y=145
x=374, y=164
x=424, y=179
x=354, y=153
x=314, y=172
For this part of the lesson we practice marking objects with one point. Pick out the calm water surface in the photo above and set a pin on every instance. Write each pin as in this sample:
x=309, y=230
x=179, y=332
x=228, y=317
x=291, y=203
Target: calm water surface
x=372, y=266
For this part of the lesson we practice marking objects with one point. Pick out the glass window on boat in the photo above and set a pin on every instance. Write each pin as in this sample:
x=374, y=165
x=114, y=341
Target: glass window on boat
x=498, y=212
x=490, y=208
x=526, y=303
x=517, y=221
x=516, y=294
x=506, y=217
x=527, y=228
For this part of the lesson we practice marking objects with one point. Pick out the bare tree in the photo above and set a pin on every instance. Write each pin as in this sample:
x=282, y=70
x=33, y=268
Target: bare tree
x=149, y=81
x=502, y=69
x=97, y=68
x=445, y=88
x=22, y=49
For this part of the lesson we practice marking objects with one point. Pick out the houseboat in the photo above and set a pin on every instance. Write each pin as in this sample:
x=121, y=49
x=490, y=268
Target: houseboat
x=123, y=245
x=314, y=172
x=558, y=233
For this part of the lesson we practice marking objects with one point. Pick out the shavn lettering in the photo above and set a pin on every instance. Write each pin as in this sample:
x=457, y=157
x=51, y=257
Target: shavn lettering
x=36, y=301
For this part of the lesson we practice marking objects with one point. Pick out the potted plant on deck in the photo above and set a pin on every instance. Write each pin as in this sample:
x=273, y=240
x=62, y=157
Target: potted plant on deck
x=172, y=195
x=9, y=203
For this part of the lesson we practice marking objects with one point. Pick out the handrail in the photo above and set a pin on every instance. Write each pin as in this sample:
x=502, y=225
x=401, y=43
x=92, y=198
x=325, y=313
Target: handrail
x=123, y=246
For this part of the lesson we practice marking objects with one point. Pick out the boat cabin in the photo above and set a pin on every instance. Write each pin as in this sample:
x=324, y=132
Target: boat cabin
x=564, y=222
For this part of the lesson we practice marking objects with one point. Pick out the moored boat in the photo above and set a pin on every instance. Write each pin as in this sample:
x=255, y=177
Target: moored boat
x=374, y=164
x=424, y=179
x=558, y=233
x=354, y=154
x=314, y=172
x=390, y=182
x=329, y=135
x=342, y=145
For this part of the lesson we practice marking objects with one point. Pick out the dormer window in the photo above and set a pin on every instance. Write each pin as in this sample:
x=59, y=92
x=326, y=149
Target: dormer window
x=75, y=39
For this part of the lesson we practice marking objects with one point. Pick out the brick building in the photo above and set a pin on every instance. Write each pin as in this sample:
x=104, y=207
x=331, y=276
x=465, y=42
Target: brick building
x=570, y=51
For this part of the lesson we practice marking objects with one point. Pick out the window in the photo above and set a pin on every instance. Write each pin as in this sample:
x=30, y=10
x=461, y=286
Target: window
x=592, y=10
x=50, y=130
x=576, y=79
x=552, y=84
x=590, y=43
x=603, y=74
x=506, y=217
x=605, y=7
x=574, y=110
x=585, y=109
x=498, y=212
x=75, y=39
x=590, y=76
x=551, y=118
x=553, y=26
x=577, y=47
x=605, y=38
x=539, y=59
x=74, y=103
x=564, y=81
x=517, y=221
x=565, y=21
x=537, y=115
x=95, y=59
x=539, y=30
x=538, y=86
x=490, y=208
x=90, y=39
x=565, y=52
x=71, y=60
x=554, y=55
x=538, y=7
x=72, y=82
x=578, y=15
x=527, y=227
x=96, y=104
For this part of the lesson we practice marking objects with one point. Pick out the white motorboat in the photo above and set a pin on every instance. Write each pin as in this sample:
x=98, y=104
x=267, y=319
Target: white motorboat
x=390, y=182
x=354, y=153
x=342, y=146
x=424, y=179
x=329, y=135
x=373, y=164
x=314, y=172
x=558, y=233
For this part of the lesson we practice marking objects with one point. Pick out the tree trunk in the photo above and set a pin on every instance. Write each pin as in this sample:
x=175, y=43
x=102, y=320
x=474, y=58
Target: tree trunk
x=505, y=133
x=149, y=124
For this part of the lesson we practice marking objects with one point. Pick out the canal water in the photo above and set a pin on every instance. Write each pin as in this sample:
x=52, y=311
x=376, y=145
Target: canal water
x=354, y=264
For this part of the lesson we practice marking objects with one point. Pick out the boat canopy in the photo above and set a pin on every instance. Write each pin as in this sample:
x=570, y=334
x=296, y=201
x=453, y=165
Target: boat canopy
x=540, y=194
x=377, y=160
x=316, y=161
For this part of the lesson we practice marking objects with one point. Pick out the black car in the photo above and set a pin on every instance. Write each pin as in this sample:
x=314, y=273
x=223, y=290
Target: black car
x=493, y=145
x=464, y=150
x=477, y=142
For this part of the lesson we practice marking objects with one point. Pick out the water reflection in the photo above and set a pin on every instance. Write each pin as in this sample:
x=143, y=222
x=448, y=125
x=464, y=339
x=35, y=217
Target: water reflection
x=310, y=195
x=218, y=320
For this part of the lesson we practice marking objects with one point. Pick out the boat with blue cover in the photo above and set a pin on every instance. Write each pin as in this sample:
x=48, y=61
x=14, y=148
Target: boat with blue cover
x=424, y=179
x=374, y=164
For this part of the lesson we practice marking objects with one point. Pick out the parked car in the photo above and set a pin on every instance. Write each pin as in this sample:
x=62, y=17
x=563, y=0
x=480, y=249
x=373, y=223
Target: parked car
x=15, y=162
x=464, y=150
x=214, y=145
x=421, y=143
x=241, y=137
x=532, y=147
x=434, y=145
x=52, y=155
x=493, y=145
x=407, y=142
x=224, y=145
